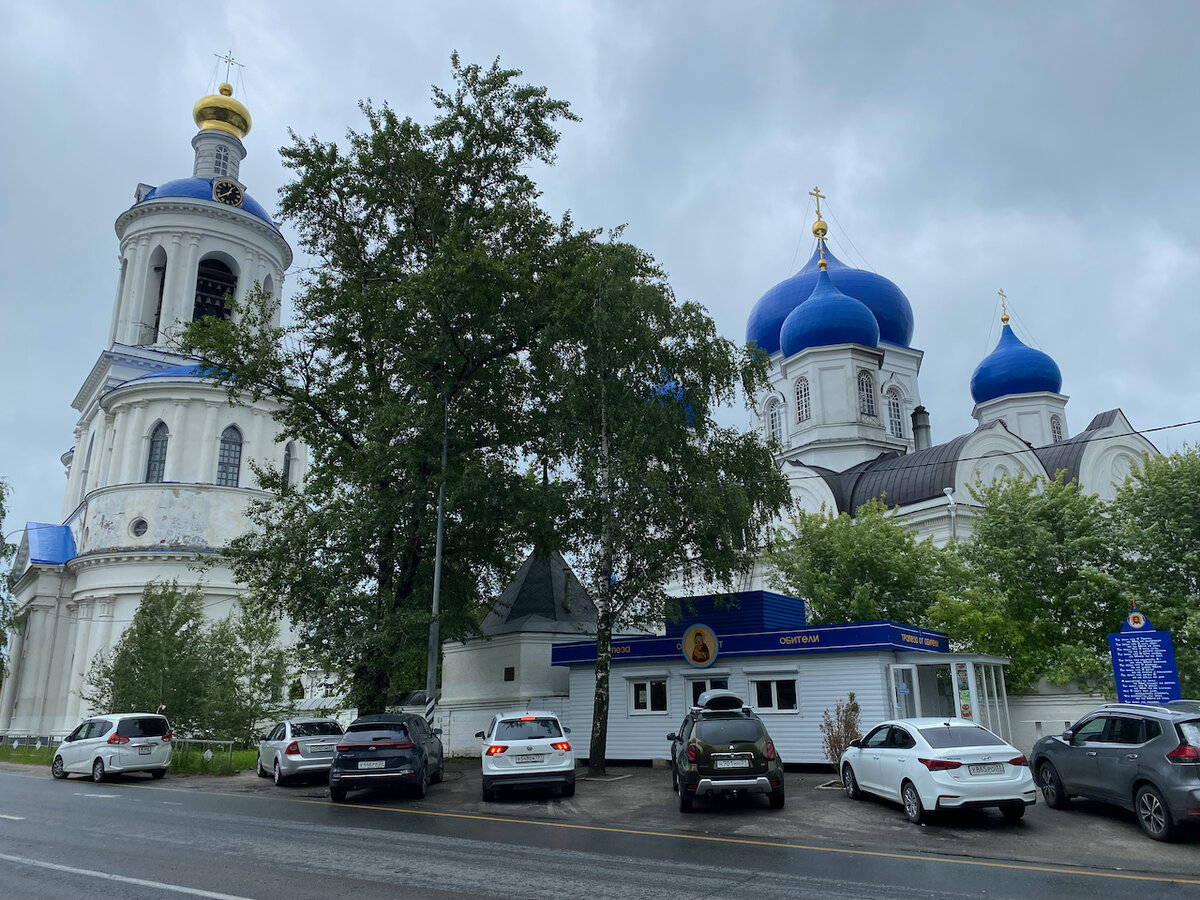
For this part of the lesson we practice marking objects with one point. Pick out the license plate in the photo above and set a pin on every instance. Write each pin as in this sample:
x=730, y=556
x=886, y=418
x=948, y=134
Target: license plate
x=144, y=750
x=733, y=763
x=986, y=769
x=530, y=758
x=372, y=763
x=320, y=748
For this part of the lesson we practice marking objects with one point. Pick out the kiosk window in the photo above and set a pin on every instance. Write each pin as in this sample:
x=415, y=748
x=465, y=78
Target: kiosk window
x=778, y=695
x=649, y=696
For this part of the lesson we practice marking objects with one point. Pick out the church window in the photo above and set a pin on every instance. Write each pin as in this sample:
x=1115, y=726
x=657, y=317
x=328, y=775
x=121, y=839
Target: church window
x=866, y=394
x=287, y=466
x=895, y=414
x=803, y=401
x=775, y=422
x=221, y=161
x=138, y=527
x=215, y=282
x=1056, y=432
x=156, y=461
x=229, y=460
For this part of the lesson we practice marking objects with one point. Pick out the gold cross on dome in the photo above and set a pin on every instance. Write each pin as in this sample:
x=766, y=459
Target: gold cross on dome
x=1003, y=306
x=229, y=61
x=816, y=192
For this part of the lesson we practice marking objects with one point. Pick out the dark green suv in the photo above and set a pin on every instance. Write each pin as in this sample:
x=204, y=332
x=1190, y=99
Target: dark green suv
x=723, y=748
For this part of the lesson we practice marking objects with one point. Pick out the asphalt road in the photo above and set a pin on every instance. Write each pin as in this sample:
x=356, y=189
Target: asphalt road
x=242, y=838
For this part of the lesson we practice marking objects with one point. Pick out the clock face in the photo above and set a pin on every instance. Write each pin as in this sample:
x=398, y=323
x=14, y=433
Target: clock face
x=227, y=192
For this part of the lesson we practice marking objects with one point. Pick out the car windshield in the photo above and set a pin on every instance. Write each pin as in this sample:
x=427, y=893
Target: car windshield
x=942, y=736
x=527, y=729
x=148, y=726
x=315, y=729
x=728, y=731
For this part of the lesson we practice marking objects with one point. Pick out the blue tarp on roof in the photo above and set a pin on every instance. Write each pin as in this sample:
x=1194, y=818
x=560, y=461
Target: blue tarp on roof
x=49, y=544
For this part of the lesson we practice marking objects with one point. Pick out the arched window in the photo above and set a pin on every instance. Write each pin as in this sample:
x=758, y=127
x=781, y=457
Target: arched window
x=866, y=394
x=288, y=458
x=803, y=401
x=229, y=460
x=775, y=422
x=221, y=161
x=1056, y=433
x=156, y=462
x=214, y=282
x=895, y=414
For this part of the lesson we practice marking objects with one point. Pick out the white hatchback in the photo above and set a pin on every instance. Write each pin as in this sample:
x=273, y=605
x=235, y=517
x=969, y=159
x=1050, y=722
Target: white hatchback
x=103, y=745
x=935, y=763
x=526, y=749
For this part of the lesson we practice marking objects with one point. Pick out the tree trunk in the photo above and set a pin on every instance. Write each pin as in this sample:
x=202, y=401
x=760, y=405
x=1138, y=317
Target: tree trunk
x=599, y=745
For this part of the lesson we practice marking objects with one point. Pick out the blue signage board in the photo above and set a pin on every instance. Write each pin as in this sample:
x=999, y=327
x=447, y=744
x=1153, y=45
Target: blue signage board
x=1144, y=663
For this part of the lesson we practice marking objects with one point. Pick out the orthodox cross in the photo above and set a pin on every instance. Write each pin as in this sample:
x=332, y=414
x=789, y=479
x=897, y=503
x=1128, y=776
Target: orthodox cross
x=1003, y=306
x=816, y=192
x=229, y=61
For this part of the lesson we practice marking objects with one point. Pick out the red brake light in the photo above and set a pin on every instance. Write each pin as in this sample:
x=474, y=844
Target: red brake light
x=117, y=739
x=1184, y=751
x=1018, y=761
x=166, y=737
x=292, y=749
x=691, y=752
x=939, y=765
x=342, y=748
x=561, y=745
x=528, y=718
x=770, y=749
x=496, y=749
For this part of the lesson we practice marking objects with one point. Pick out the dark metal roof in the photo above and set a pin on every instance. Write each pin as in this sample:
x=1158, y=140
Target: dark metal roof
x=1067, y=455
x=544, y=596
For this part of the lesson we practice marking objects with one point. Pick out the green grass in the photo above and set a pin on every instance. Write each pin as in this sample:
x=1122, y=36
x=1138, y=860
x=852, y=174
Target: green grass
x=184, y=759
x=25, y=754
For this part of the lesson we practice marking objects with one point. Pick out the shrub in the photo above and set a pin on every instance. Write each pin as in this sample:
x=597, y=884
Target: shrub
x=840, y=729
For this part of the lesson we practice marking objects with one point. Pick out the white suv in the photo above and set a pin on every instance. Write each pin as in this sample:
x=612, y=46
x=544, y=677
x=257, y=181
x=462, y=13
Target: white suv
x=526, y=749
x=133, y=742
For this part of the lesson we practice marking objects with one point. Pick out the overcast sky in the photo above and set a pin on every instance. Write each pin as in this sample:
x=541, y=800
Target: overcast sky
x=1049, y=149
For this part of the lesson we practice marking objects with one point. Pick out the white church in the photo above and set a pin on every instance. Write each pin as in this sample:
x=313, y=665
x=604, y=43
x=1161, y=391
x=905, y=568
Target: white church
x=159, y=472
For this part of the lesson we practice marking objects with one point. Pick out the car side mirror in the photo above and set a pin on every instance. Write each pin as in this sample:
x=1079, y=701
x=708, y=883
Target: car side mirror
x=479, y=734
x=672, y=737
x=1067, y=736
x=437, y=731
x=566, y=729
x=262, y=737
x=857, y=742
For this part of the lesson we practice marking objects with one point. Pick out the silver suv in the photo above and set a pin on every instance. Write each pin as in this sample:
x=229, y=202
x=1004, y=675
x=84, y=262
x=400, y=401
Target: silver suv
x=1143, y=757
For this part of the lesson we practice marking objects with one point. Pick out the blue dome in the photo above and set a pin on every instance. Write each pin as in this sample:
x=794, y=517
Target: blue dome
x=201, y=189
x=828, y=317
x=188, y=370
x=1014, y=368
x=886, y=302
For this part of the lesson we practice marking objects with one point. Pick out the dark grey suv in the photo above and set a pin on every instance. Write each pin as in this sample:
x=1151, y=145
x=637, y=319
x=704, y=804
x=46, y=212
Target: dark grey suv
x=1142, y=757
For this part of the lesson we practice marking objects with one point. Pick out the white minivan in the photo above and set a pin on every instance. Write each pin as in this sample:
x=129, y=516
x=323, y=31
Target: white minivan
x=101, y=745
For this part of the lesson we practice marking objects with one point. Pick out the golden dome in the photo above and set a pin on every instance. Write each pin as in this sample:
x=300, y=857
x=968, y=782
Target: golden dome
x=222, y=113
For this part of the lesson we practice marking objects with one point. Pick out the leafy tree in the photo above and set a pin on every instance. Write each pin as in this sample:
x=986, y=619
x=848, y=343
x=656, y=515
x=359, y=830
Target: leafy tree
x=438, y=271
x=838, y=730
x=1040, y=586
x=861, y=569
x=1158, y=513
x=649, y=488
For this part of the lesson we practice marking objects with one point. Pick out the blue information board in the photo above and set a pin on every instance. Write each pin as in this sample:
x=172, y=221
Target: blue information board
x=1144, y=663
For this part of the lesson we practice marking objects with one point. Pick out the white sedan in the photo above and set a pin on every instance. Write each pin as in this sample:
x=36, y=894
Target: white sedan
x=935, y=763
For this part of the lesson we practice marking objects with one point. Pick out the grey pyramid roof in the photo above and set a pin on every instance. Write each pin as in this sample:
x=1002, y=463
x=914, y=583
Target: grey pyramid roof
x=545, y=596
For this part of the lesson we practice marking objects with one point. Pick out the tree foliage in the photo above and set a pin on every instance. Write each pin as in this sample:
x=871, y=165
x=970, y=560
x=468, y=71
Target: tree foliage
x=648, y=487
x=1157, y=512
x=839, y=729
x=859, y=569
x=214, y=679
x=7, y=552
x=438, y=271
x=1040, y=584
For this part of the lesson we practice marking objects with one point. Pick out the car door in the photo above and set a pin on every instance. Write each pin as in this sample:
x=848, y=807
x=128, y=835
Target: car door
x=1079, y=770
x=866, y=767
x=273, y=745
x=894, y=756
x=72, y=749
x=1118, y=755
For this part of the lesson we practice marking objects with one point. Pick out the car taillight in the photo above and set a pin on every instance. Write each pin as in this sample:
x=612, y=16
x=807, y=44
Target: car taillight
x=770, y=749
x=561, y=745
x=166, y=737
x=1184, y=752
x=1018, y=761
x=496, y=749
x=528, y=718
x=691, y=752
x=117, y=739
x=291, y=749
x=343, y=748
x=399, y=745
x=939, y=765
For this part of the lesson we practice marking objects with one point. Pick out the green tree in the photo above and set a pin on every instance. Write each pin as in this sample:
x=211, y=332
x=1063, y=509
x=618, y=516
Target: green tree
x=859, y=569
x=7, y=552
x=648, y=487
x=438, y=270
x=1040, y=586
x=1158, y=513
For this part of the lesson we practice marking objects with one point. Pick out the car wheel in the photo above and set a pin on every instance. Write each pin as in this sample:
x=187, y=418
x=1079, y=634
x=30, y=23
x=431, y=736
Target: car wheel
x=685, y=802
x=438, y=775
x=1152, y=814
x=488, y=795
x=913, y=808
x=56, y=768
x=674, y=779
x=1013, y=812
x=338, y=794
x=280, y=780
x=777, y=798
x=850, y=783
x=158, y=773
x=421, y=787
x=258, y=766
x=1052, y=786
x=98, y=771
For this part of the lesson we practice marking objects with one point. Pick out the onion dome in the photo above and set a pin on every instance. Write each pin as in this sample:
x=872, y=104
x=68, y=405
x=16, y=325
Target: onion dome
x=200, y=188
x=221, y=112
x=881, y=296
x=828, y=317
x=1014, y=368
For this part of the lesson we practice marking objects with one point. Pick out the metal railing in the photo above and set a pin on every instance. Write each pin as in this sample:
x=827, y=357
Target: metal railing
x=29, y=743
x=186, y=745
